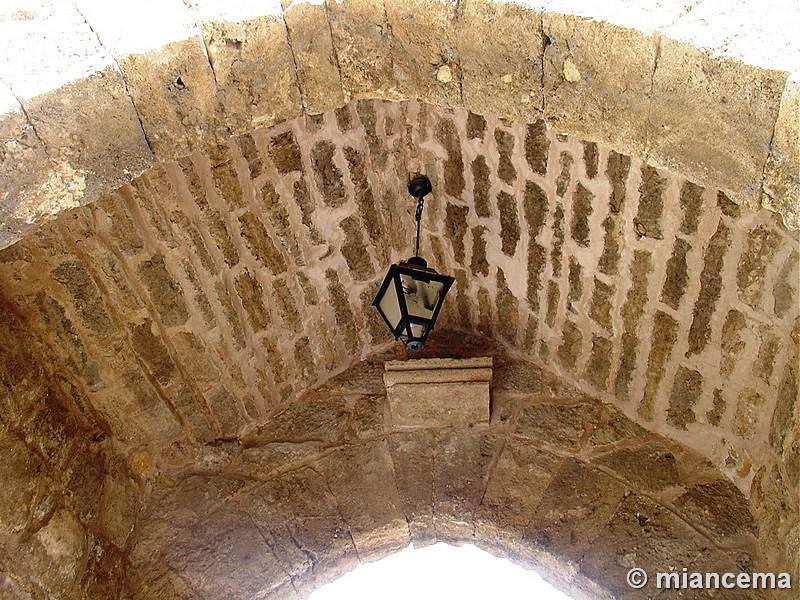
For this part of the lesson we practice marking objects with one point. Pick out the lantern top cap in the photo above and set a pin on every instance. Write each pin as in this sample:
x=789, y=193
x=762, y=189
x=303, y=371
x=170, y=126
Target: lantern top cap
x=419, y=187
x=417, y=261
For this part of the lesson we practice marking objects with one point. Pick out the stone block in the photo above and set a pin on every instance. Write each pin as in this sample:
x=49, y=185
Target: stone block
x=229, y=556
x=503, y=78
x=412, y=456
x=597, y=81
x=312, y=45
x=640, y=534
x=299, y=515
x=120, y=507
x=516, y=486
x=163, y=60
x=368, y=500
x=423, y=58
x=712, y=119
x=363, y=45
x=58, y=552
x=252, y=63
x=438, y=392
x=24, y=173
x=782, y=173
x=75, y=98
x=577, y=505
x=20, y=491
x=462, y=460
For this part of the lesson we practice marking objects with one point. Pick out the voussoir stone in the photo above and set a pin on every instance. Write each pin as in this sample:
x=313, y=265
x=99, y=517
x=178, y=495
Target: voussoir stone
x=713, y=119
x=503, y=78
x=423, y=57
x=597, y=79
x=312, y=47
x=253, y=66
x=782, y=173
x=363, y=45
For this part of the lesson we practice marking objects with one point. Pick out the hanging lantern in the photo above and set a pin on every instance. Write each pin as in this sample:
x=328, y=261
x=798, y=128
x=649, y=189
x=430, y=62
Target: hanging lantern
x=412, y=294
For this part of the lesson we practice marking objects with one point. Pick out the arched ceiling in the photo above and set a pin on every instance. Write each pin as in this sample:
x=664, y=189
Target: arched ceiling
x=242, y=211
x=94, y=94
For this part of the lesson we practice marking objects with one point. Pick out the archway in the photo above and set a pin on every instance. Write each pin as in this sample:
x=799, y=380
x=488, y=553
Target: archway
x=189, y=307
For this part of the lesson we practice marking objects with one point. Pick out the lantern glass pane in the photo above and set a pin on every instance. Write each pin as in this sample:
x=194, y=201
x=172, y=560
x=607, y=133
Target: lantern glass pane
x=417, y=330
x=390, y=305
x=421, y=297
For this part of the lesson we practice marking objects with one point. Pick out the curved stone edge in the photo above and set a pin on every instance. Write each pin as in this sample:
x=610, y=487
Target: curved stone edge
x=642, y=94
x=782, y=171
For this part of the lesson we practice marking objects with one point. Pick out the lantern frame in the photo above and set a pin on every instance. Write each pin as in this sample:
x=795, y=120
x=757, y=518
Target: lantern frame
x=417, y=269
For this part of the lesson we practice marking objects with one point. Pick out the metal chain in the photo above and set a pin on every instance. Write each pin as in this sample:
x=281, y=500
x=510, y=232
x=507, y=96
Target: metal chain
x=418, y=216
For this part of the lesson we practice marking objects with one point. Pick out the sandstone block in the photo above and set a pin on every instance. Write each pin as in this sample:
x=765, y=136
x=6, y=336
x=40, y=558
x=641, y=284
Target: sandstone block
x=312, y=45
x=516, y=486
x=58, y=552
x=24, y=173
x=712, y=119
x=412, y=456
x=640, y=534
x=462, y=458
x=228, y=555
x=363, y=46
x=438, y=392
x=253, y=65
x=163, y=60
x=576, y=506
x=782, y=174
x=368, y=499
x=503, y=78
x=597, y=79
x=76, y=100
x=424, y=61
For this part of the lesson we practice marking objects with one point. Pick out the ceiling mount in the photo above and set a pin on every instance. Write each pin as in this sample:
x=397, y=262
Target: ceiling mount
x=419, y=187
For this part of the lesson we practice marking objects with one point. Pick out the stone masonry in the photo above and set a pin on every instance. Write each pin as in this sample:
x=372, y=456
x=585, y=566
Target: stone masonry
x=92, y=93
x=189, y=324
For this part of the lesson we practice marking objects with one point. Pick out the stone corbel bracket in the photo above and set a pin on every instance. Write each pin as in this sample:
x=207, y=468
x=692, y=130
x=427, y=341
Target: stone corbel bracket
x=438, y=392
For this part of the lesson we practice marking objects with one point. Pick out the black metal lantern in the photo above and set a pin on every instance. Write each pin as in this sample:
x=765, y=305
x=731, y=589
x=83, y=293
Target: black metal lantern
x=412, y=294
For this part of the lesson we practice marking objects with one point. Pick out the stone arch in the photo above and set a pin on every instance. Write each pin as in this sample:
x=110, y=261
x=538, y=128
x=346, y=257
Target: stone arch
x=190, y=305
x=171, y=273
x=189, y=78
x=303, y=499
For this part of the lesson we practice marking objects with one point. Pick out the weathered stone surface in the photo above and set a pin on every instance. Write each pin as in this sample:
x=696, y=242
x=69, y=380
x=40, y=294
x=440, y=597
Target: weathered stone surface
x=503, y=79
x=24, y=167
x=363, y=47
x=576, y=506
x=253, y=66
x=597, y=80
x=438, y=392
x=423, y=60
x=515, y=488
x=696, y=98
x=640, y=534
x=88, y=126
x=781, y=181
x=369, y=502
x=560, y=424
x=170, y=80
x=459, y=484
x=719, y=506
x=314, y=55
x=650, y=466
x=710, y=289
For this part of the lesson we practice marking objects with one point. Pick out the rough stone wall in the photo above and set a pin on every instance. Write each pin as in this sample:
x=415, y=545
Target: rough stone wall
x=556, y=481
x=191, y=305
x=67, y=501
x=93, y=93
